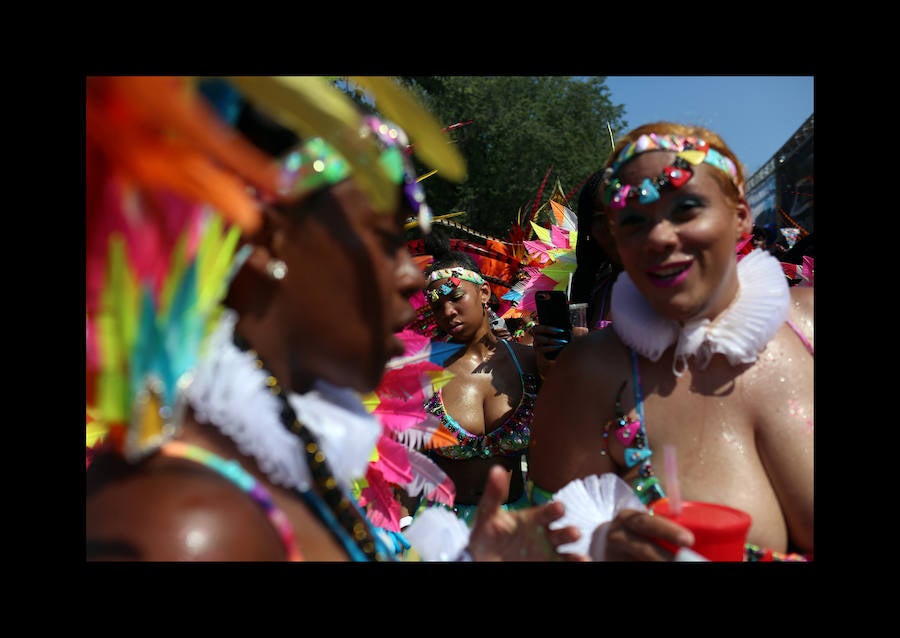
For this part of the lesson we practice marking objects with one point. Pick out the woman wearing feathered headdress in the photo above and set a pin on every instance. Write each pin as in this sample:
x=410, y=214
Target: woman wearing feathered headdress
x=225, y=360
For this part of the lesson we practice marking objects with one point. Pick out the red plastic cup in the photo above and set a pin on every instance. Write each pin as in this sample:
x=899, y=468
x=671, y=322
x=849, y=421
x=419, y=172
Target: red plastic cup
x=720, y=532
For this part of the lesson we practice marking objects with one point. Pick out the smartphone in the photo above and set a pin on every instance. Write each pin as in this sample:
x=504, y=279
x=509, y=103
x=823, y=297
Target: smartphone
x=553, y=310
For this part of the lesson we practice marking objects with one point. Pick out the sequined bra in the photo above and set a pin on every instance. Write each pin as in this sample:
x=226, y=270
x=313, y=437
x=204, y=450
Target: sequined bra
x=510, y=438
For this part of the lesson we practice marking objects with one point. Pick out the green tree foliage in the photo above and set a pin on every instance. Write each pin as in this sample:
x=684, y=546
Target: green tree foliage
x=520, y=127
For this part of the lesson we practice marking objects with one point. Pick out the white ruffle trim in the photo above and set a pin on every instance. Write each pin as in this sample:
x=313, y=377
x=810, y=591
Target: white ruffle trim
x=229, y=392
x=740, y=333
x=590, y=502
x=438, y=534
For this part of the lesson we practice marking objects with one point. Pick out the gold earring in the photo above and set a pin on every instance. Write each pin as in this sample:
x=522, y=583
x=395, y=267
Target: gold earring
x=276, y=269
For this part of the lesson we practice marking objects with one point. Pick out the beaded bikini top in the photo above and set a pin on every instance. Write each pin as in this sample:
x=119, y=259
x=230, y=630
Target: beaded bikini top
x=511, y=437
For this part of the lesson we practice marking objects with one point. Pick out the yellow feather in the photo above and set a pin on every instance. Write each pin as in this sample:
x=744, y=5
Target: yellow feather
x=207, y=254
x=431, y=144
x=371, y=401
x=116, y=325
x=440, y=378
x=213, y=286
x=94, y=433
x=313, y=108
x=179, y=265
x=542, y=233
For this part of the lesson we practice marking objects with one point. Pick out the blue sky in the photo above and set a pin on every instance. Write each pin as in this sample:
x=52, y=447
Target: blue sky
x=755, y=115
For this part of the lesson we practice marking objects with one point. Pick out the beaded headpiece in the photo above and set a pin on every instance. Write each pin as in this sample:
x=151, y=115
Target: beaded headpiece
x=456, y=275
x=317, y=164
x=690, y=151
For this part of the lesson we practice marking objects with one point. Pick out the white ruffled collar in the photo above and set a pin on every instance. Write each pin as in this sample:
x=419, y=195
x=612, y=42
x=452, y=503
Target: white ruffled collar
x=229, y=392
x=740, y=332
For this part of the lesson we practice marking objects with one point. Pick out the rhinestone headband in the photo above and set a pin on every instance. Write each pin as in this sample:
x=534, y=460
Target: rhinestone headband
x=690, y=151
x=316, y=164
x=455, y=275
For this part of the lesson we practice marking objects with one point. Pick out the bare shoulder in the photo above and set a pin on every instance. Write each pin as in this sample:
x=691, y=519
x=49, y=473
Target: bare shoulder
x=801, y=311
x=802, y=298
x=577, y=398
x=169, y=509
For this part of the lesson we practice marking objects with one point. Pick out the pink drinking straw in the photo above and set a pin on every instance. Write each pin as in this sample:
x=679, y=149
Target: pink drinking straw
x=670, y=467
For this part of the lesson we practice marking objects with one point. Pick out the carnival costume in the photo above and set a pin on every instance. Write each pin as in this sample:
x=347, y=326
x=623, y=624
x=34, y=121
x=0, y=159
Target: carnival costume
x=510, y=438
x=442, y=436
x=740, y=334
x=159, y=262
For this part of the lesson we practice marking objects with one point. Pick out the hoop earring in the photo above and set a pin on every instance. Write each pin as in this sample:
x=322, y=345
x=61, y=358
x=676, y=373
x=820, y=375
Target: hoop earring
x=276, y=269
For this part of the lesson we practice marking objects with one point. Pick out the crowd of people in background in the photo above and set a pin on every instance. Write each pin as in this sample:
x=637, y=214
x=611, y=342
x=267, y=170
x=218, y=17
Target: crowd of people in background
x=274, y=375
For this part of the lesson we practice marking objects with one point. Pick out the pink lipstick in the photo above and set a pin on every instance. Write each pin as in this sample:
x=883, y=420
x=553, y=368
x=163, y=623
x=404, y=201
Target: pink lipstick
x=669, y=275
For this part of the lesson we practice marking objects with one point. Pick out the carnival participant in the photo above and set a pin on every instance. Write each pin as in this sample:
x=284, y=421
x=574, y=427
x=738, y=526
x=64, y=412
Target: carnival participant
x=486, y=407
x=240, y=443
x=707, y=354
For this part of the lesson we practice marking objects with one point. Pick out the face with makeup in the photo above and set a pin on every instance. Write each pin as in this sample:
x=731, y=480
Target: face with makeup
x=680, y=249
x=459, y=307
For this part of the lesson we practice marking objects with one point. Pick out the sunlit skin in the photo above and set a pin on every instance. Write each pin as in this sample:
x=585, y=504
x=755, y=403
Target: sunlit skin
x=743, y=433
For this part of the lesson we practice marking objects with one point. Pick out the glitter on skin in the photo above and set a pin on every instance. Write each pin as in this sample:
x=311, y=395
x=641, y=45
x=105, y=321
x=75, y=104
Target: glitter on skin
x=798, y=412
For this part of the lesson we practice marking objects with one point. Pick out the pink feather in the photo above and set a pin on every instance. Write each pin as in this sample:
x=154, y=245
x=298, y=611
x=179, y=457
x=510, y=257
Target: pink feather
x=539, y=282
x=560, y=237
x=382, y=508
x=393, y=461
x=430, y=479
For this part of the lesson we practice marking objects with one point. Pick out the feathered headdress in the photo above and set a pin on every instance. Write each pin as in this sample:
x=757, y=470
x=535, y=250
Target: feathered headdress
x=517, y=267
x=158, y=160
x=170, y=186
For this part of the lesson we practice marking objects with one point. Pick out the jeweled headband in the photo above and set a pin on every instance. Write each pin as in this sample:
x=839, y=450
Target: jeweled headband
x=455, y=275
x=316, y=164
x=690, y=151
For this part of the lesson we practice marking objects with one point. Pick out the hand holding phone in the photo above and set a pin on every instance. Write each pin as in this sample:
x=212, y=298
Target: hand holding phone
x=553, y=310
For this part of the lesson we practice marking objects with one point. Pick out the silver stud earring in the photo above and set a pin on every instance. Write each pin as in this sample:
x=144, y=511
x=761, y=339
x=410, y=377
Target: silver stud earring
x=276, y=269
